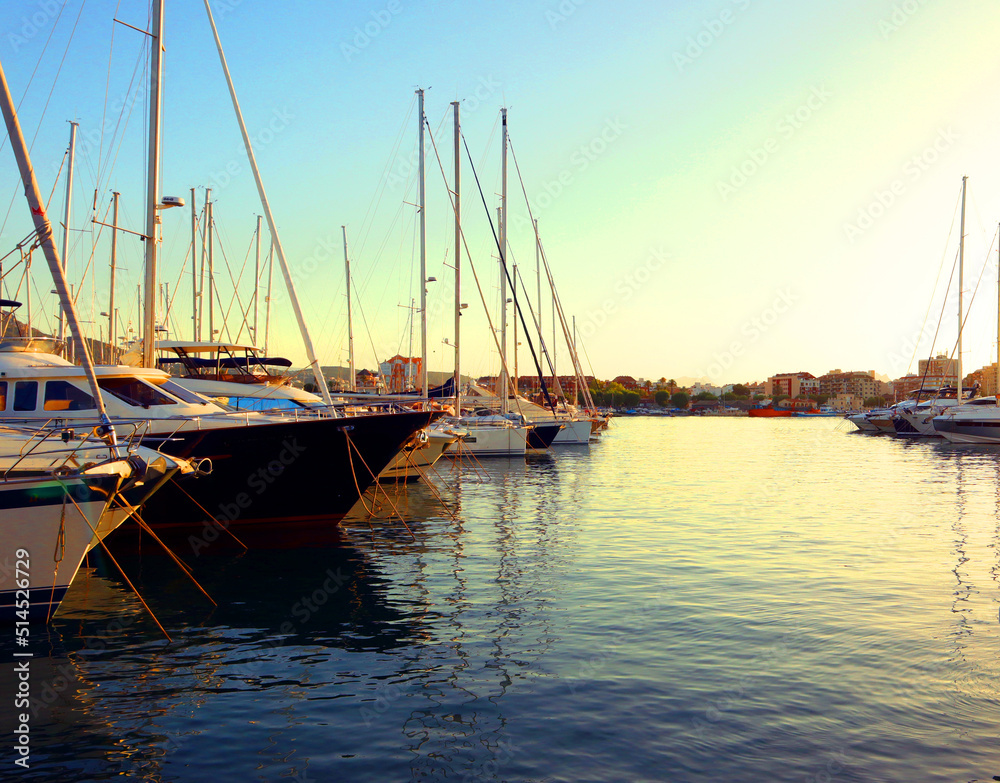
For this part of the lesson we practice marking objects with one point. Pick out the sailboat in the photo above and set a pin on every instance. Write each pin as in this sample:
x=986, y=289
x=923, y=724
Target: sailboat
x=59, y=498
x=266, y=468
x=978, y=420
x=916, y=417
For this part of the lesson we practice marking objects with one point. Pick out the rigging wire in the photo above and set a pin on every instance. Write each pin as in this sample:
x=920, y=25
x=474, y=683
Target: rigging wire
x=45, y=108
x=556, y=303
x=930, y=302
x=468, y=255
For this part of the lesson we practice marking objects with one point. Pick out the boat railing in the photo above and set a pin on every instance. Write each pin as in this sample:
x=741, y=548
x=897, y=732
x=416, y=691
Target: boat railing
x=37, y=438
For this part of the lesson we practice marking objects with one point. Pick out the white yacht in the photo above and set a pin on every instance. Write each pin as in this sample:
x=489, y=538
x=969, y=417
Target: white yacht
x=266, y=468
x=976, y=421
x=61, y=495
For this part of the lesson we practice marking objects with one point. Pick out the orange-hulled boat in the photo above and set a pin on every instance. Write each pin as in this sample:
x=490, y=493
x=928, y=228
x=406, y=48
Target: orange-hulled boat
x=769, y=412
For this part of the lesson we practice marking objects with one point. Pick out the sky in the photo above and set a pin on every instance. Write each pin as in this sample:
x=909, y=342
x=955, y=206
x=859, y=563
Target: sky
x=725, y=189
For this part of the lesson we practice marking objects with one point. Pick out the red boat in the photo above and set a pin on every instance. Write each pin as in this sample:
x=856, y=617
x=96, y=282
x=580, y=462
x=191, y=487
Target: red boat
x=769, y=412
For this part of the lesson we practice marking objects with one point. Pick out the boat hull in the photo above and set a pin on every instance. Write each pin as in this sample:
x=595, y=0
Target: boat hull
x=541, y=436
x=769, y=413
x=968, y=431
x=411, y=462
x=56, y=522
x=577, y=432
x=281, y=471
x=491, y=442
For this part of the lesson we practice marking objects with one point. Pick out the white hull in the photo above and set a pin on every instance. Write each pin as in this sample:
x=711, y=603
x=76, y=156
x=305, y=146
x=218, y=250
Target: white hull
x=860, y=421
x=491, y=442
x=957, y=437
x=575, y=433
x=41, y=519
x=410, y=463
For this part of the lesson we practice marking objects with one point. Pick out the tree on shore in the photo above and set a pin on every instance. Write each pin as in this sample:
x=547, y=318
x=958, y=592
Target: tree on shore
x=679, y=399
x=662, y=398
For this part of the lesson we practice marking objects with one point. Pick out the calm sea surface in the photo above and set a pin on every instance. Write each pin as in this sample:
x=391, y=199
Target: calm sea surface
x=688, y=600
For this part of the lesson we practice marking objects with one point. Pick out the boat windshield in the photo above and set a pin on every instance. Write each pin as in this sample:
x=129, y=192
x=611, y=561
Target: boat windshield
x=134, y=391
x=180, y=392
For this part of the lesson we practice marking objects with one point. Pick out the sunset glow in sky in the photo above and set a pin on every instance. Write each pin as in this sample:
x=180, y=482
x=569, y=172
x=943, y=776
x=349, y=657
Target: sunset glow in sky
x=728, y=188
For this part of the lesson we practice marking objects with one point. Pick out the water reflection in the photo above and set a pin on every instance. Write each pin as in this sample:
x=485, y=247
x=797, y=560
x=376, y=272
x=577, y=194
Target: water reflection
x=407, y=644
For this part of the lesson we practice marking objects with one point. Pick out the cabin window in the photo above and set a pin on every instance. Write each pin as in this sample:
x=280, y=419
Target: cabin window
x=262, y=404
x=134, y=392
x=3, y=395
x=63, y=396
x=25, y=395
x=180, y=392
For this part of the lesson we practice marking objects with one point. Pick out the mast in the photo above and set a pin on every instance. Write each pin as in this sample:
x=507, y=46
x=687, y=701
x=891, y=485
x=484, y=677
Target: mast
x=256, y=283
x=275, y=239
x=579, y=378
x=211, y=271
x=194, y=268
x=504, y=401
x=204, y=262
x=43, y=229
x=538, y=284
x=502, y=379
x=514, y=284
x=153, y=186
x=961, y=271
x=458, y=258
x=114, y=260
x=352, y=383
x=423, y=247
x=267, y=299
x=66, y=216
x=409, y=363
x=998, y=317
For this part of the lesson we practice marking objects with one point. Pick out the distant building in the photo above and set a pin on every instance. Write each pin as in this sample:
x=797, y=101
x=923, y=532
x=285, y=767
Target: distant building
x=809, y=386
x=627, y=381
x=789, y=383
x=986, y=377
x=699, y=388
x=931, y=374
x=856, y=383
x=402, y=373
x=846, y=402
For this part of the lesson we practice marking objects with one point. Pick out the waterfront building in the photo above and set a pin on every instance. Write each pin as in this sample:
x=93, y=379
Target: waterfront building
x=856, y=383
x=986, y=377
x=931, y=374
x=789, y=383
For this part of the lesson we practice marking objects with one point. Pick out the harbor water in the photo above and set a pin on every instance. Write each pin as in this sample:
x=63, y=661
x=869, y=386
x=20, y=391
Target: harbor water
x=689, y=599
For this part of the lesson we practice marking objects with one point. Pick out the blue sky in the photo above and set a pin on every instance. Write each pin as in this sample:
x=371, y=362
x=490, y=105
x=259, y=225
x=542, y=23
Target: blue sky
x=725, y=189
